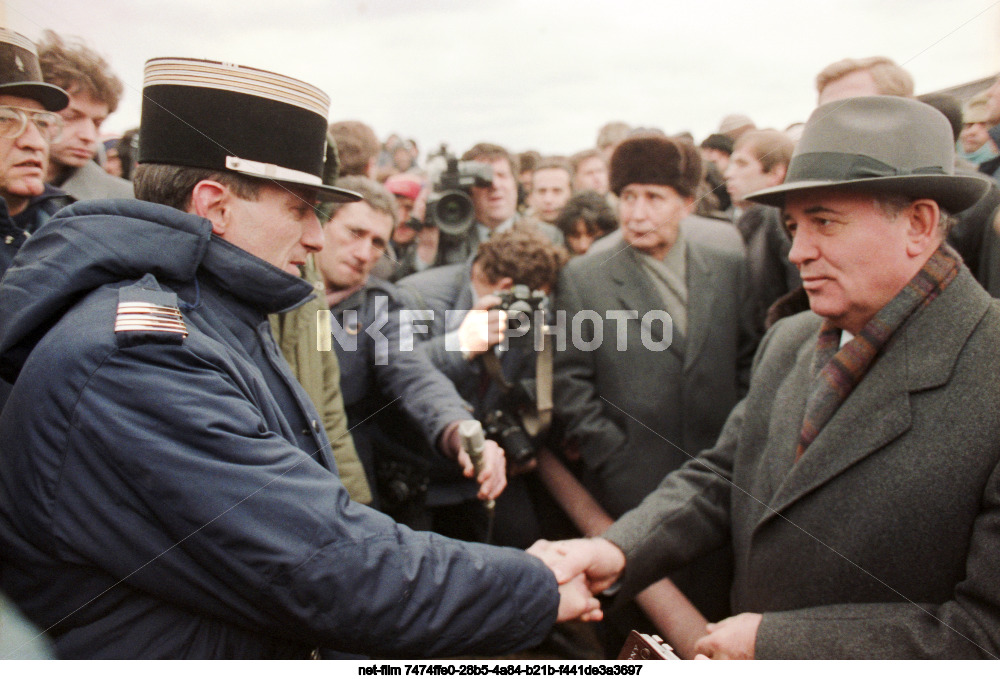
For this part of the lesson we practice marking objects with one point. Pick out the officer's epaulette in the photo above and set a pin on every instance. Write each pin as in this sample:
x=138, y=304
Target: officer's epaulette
x=148, y=316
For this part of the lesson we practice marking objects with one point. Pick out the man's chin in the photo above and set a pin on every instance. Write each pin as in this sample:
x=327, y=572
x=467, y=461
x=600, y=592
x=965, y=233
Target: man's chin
x=26, y=189
x=73, y=161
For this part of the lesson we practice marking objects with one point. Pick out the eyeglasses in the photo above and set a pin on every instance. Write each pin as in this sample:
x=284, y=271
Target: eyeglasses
x=14, y=121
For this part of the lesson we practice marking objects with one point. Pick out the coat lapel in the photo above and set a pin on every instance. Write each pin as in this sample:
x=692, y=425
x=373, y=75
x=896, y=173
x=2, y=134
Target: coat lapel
x=635, y=291
x=702, y=294
x=922, y=356
x=876, y=413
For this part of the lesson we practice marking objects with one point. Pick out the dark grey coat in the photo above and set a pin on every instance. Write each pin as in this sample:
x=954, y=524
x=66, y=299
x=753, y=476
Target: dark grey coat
x=638, y=414
x=883, y=540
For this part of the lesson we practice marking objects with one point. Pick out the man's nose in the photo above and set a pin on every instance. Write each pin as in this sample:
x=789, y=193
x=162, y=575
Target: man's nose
x=640, y=210
x=368, y=251
x=87, y=130
x=32, y=138
x=312, y=235
x=803, y=249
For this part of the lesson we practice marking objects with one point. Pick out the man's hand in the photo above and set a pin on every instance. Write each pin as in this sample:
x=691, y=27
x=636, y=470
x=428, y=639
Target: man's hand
x=427, y=244
x=734, y=638
x=483, y=327
x=599, y=560
x=493, y=477
x=576, y=602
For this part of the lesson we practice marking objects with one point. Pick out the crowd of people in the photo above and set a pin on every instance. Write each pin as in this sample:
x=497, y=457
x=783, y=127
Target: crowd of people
x=272, y=388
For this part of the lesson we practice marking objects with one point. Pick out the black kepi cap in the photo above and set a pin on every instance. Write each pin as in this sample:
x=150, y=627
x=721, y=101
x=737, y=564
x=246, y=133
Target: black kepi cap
x=218, y=116
x=21, y=76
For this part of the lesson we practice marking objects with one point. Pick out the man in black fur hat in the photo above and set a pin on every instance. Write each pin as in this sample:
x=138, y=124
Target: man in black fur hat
x=668, y=310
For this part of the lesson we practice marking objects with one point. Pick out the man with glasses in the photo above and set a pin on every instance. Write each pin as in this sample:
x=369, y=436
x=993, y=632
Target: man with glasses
x=27, y=128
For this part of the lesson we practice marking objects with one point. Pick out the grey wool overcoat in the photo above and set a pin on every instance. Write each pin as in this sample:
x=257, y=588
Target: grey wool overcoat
x=883, y=540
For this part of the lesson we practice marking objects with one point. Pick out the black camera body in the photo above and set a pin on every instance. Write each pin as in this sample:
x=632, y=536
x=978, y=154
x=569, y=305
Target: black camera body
x=521, y=302
x=449, y=207
x=504, y=425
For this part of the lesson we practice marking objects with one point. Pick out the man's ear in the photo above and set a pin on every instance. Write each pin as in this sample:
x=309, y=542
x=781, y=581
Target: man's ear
x=211, y=200
x=505, y=283
x=777, y=173
x=922, y=231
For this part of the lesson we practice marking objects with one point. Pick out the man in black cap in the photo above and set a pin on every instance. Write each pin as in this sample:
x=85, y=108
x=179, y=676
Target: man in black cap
x=859, y=480
x=172, y=493
x=27, y=127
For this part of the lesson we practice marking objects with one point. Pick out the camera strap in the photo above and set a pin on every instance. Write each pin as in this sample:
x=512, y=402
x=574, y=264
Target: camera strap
x=538, y=419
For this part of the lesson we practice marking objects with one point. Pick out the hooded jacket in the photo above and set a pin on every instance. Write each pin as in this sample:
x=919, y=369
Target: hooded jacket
x=172, y=496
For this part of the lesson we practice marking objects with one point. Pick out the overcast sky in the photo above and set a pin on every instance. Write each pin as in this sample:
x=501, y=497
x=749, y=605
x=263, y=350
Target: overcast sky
x=542, y=74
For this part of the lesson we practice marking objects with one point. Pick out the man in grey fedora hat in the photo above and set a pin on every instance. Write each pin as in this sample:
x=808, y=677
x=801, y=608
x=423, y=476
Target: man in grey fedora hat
x=167, y=488
x=859, y=480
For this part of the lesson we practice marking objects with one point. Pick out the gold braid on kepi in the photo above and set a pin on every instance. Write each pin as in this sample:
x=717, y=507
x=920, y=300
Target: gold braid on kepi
x=220, y=116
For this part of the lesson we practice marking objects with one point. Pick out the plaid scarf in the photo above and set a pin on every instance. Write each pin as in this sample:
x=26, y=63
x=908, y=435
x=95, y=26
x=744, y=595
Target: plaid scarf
x=839, y=371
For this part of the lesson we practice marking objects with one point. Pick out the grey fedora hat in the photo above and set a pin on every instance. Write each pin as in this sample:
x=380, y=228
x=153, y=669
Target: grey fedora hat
x=878, y=144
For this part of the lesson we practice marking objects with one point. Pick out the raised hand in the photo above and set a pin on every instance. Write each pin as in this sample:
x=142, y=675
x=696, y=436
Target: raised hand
x=483, y=327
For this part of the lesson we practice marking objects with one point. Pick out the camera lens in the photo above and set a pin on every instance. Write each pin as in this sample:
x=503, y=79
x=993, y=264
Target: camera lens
x=452, y=210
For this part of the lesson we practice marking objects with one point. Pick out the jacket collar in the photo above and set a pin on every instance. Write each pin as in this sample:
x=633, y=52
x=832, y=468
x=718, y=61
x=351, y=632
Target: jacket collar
x=635, y=291
x=252, y=280
x=96, y=243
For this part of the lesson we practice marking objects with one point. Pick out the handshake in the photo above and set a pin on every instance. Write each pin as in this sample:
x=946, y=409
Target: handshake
x=586, y=567
x=583, y=568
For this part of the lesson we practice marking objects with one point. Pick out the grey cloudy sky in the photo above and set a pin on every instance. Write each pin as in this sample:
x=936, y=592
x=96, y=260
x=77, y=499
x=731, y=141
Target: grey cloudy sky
x=544, y=74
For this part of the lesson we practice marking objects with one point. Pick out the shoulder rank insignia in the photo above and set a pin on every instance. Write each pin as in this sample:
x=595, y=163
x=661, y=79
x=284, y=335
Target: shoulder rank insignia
x=153, y=314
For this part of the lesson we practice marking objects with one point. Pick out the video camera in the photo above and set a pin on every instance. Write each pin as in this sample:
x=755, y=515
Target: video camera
x=449, y=207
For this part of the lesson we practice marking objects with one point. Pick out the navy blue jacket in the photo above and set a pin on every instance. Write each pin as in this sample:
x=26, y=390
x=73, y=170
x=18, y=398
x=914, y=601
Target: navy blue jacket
x=397, y=403
x=175, y=497
x=12, y=237
x=42, y=208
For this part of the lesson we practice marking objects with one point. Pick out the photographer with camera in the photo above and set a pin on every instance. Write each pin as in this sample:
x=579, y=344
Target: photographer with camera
x=399, y=407
x=473, y=200
x=515, y=269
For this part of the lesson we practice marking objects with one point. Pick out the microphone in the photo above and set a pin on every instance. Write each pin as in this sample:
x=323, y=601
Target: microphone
x=474, y=442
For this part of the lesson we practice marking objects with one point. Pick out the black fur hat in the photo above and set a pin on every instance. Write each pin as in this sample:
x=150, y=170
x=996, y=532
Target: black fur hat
x=656, y=160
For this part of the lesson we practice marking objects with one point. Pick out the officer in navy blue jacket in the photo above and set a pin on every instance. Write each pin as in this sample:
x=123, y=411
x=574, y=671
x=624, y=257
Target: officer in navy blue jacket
x=167, y=488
